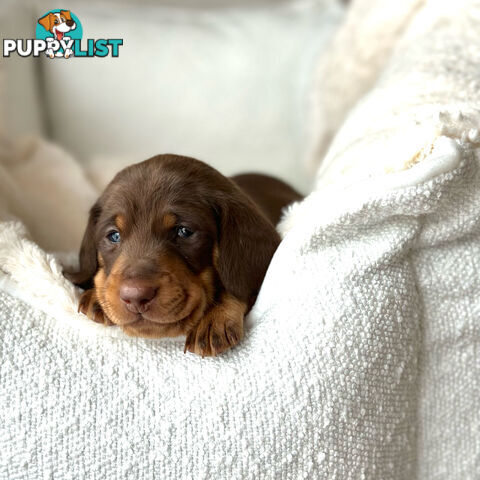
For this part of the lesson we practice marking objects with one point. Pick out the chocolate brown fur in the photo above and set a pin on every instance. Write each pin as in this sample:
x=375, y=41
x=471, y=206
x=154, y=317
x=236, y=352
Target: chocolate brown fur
x=154, y=282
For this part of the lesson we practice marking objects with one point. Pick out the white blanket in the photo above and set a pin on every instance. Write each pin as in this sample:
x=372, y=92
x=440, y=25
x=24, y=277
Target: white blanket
x=325, y=384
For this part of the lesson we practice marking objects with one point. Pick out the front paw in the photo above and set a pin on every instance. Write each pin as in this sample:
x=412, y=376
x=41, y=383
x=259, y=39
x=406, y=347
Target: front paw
x=90, y=307
x=220, y=329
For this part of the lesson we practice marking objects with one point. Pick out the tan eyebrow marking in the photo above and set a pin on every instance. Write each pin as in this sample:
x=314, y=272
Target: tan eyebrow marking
x=169, y=220
x=120, y=222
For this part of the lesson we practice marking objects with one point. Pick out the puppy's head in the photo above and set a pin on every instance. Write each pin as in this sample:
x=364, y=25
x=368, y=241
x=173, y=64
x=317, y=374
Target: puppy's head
x=165, y=239
x=58, y=23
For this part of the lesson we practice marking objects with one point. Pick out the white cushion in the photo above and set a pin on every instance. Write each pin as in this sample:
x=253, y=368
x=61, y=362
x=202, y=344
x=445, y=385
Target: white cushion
x=426, y=88
x=228, y=85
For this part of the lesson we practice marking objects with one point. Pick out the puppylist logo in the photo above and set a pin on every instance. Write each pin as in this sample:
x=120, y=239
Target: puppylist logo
x=59, y=35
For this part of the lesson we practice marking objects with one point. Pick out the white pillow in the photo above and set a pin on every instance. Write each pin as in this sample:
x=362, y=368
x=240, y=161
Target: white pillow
x=228, y=85
x=428, y=88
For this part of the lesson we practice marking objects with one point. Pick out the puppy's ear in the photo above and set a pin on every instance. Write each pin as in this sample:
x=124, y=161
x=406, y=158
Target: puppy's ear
x=88, y=254
x=46, y=21
x=66, y=14
x=246, y=244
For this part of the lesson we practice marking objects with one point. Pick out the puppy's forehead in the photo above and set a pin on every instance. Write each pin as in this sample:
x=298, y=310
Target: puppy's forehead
x=150, y=189
x=161, y=179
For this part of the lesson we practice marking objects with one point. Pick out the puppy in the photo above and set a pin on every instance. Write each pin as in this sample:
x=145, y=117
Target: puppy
x=58, y=24
x=172, y=247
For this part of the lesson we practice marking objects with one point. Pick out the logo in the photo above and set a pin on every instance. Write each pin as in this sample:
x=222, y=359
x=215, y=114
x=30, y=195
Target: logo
x=60, y=30
x=59, y=35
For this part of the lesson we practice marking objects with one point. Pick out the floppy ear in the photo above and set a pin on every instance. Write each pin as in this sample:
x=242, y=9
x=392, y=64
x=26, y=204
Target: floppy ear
x=46, y=21
x=88, y=254
x=66, y=14
x=247, y=242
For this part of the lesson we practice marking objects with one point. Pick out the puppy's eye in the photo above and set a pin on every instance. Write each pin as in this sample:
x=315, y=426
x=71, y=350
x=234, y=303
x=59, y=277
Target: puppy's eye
x=114, y=237
x=55, y=22
x=184, y=232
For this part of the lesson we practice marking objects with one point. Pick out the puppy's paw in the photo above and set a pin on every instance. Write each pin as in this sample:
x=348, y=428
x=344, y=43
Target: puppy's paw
x=220, y=329
x=90, y=307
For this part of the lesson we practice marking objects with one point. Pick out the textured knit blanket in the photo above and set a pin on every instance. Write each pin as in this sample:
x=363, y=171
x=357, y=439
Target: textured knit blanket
x=361, y=355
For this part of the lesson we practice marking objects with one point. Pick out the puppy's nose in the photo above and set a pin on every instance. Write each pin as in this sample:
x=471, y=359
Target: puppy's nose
x=137, y=295
x=69, y=23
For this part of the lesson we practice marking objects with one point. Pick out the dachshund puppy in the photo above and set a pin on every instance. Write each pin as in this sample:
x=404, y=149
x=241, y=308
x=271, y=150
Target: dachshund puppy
x=172, y=247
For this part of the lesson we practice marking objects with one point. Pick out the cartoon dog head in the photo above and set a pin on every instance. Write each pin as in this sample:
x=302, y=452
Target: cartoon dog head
x=58, y=23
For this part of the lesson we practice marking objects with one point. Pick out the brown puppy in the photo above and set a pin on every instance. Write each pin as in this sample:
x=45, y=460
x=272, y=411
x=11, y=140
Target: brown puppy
x=173, y=247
